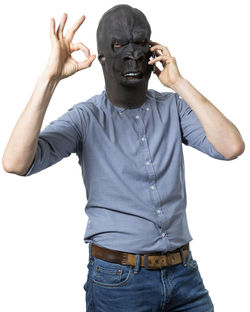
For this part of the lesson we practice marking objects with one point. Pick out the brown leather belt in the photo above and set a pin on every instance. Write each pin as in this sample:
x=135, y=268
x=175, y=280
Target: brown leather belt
x=149, y=261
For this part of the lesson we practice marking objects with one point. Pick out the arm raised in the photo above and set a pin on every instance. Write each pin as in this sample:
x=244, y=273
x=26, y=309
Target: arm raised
x=22, y=145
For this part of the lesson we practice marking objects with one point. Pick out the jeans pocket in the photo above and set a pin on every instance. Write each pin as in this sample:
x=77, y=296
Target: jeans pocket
x=109, y=274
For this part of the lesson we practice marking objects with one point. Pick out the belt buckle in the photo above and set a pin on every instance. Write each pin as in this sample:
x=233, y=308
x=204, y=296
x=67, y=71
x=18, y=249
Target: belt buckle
x=150, y=267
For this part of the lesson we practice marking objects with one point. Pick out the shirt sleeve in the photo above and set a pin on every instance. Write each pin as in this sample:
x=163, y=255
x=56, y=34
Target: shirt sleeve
x=60, y=138
x=192, y=131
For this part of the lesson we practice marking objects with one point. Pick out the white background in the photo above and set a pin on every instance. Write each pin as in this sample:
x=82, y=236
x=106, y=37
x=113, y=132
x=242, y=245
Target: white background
x=43, y=262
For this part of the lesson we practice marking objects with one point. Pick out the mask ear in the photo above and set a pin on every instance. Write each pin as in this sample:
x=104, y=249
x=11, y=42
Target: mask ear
x=101, y=58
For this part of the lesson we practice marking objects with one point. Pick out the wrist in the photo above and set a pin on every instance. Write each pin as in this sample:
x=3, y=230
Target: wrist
x=178, y=85
x=50, y=78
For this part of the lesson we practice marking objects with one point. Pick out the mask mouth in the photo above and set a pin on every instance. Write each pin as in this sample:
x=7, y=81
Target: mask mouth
x=133, y=75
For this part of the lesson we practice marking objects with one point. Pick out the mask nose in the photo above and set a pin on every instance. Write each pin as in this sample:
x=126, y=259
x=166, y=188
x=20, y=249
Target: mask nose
x=134, y=54
x=138, y=58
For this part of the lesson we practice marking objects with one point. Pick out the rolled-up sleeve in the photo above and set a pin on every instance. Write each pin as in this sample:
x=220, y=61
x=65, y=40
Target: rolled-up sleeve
x=60, y=138
x=192, y=131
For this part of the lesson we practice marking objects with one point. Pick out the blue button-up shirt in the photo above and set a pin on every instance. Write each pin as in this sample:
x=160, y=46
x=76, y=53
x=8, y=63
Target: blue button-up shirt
x=132, y=167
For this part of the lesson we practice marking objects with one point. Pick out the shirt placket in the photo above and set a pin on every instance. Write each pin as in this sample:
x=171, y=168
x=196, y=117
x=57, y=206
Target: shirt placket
x=149, y=165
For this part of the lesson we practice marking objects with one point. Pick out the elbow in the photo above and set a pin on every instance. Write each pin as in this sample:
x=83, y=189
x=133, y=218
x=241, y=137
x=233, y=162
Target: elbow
x=241, y=148
x=6, y=165
x=236, y=151
x=9, y=168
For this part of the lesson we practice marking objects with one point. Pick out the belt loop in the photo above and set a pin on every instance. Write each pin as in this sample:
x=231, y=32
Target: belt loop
x=183, y=257
x=138, y=263
x=90, y=247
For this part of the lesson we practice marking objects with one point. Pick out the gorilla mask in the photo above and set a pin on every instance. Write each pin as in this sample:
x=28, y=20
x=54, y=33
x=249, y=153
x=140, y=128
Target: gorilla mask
x=123, y=46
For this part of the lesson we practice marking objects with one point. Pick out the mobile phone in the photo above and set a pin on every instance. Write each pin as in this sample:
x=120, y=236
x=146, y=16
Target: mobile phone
x=152, y=57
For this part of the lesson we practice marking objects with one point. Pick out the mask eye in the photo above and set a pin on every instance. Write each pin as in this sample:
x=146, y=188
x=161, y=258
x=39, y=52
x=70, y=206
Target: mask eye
x=142, y=41
x=116, y=45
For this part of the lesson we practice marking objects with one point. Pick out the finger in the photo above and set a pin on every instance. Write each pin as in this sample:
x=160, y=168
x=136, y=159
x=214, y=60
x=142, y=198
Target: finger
x=61, y=26
x=157, y=53
x=157, y=71
x=86, y=63
x=52, y=30
x=162, y=58
x=168, y=52
x=70, y=33
x=80, y=46
x=164, y=49
x=153, y=42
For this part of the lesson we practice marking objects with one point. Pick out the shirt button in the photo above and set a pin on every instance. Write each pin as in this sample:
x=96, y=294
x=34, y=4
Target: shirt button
x=142, y=138
x=158, y=211
x=152, y=187
x=148, y=163
x=120, y=113
x=163, y=234
x=147, y=109
x=137, y=117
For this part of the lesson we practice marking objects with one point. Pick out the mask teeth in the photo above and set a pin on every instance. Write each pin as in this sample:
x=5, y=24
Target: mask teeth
x=131, y=74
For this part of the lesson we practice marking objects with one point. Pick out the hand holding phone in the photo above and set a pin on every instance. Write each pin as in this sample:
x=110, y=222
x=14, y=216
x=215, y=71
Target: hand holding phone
x=152, y=57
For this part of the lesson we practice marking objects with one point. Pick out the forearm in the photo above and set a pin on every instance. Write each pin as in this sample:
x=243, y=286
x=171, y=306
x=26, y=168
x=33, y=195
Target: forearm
x=22, y=145
x=220, y=131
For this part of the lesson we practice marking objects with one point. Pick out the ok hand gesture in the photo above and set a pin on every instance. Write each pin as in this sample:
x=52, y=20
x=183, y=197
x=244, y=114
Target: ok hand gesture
x=61, y=64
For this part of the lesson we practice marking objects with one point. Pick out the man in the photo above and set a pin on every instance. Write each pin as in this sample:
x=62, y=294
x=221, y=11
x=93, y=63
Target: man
x=129, y=143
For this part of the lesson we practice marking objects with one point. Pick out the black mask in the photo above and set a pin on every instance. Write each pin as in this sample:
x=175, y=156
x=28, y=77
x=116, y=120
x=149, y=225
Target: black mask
x=123, y=36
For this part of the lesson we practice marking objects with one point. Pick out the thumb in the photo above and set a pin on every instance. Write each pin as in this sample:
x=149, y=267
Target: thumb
x=86, y=63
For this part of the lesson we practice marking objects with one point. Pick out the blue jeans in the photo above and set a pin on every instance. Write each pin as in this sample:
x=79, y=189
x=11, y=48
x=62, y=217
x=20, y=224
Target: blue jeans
x=112, y=287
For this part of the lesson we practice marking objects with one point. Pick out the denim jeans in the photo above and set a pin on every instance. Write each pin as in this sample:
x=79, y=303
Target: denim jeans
x=112, y=287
